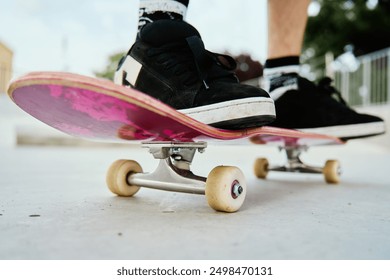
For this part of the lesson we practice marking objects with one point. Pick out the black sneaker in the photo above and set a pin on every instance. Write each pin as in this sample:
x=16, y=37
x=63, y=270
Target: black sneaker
x=169, y=62
x=319, y=108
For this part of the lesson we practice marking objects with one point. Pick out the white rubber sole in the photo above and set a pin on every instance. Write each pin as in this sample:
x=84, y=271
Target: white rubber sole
x=350, y=131
x=232, y=110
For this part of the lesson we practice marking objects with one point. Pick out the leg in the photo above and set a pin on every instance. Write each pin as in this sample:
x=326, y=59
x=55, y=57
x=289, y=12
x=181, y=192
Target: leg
x=286, y=25
x=299, y=103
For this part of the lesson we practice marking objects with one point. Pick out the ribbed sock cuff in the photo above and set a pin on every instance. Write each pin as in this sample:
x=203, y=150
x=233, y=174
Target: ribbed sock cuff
x=282, y=61
x=152, y=10
x=282, y=65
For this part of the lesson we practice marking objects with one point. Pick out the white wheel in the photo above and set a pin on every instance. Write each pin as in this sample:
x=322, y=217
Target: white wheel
x=261, y=168
x=117, y=174
x=225, y=188
x=332, y=172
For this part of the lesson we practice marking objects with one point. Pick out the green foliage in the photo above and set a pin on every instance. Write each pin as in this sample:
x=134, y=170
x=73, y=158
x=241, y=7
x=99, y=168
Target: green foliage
x=349, y=22
x=109, y=71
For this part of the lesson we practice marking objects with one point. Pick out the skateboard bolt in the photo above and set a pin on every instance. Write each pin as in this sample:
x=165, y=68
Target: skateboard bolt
x=237, y=189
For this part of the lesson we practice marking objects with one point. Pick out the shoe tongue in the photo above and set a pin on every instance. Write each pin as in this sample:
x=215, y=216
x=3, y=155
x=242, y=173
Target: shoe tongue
x=162, y=32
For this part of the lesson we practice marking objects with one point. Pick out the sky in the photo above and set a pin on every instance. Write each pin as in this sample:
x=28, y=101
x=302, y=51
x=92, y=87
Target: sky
x=79, y=35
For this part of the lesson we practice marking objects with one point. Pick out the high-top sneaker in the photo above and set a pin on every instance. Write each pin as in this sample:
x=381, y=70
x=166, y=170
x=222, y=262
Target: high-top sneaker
x=169, y=62
x=319, y=108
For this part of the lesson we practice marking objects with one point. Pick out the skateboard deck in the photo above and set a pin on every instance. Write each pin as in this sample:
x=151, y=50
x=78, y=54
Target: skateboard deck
x=97, y=109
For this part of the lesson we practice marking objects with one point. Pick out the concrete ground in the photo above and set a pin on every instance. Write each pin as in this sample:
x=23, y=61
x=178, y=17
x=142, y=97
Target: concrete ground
x=54, y=204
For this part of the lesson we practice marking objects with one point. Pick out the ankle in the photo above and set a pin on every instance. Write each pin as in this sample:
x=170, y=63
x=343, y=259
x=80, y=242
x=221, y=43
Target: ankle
x=282, y=65
x=281, y=75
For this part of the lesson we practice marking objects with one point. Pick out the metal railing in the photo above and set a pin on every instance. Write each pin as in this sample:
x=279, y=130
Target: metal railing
x=370, y=83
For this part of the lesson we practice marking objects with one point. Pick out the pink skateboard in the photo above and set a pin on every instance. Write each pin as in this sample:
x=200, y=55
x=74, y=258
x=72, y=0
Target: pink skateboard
x=100, y=110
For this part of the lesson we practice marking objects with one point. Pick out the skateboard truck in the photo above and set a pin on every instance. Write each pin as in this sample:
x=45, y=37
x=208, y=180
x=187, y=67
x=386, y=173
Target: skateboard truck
x=173, y=171
x=125, y=177
x=294, y=162
x=331, y=169
x=181, y=153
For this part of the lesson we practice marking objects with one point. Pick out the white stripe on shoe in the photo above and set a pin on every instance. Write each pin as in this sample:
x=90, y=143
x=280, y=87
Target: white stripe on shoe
x=232, y=110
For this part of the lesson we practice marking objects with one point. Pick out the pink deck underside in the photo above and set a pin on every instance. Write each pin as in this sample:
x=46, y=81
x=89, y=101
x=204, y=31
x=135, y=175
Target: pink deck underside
x=89, y=114
x=93, y=115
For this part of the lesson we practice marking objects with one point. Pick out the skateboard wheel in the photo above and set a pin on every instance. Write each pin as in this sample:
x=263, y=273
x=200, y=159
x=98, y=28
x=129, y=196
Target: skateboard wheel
x=331, y=171
x=225, y=189
x=260, y=168
x=117, y=175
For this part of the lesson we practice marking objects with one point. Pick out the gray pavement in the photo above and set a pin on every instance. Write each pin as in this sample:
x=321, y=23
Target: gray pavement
x=54, y=204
